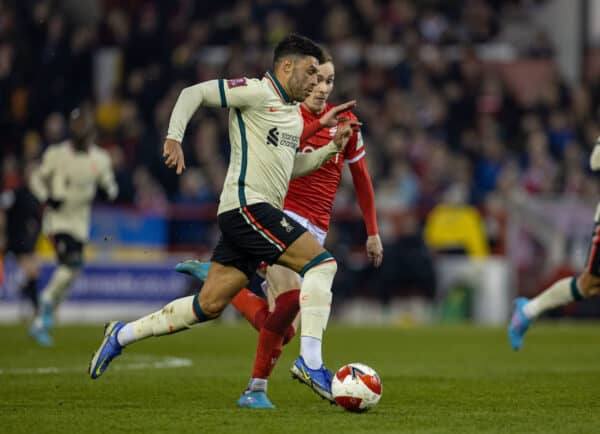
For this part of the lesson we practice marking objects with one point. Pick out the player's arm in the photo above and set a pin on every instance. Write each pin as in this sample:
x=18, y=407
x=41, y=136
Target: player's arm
x=39, y=183
x=106, y=180
x=238, y=93
x=366, y=198
x=330, y=119
x=306, y=163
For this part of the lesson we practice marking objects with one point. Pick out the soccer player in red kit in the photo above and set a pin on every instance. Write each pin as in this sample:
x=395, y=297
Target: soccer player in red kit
x=308, y=202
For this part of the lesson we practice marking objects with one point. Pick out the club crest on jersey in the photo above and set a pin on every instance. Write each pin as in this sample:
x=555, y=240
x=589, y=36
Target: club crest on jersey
x=286, y=225
x=236, y=82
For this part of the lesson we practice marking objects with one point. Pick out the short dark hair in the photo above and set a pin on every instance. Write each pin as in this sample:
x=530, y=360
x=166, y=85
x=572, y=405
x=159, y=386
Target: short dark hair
x=297, y=45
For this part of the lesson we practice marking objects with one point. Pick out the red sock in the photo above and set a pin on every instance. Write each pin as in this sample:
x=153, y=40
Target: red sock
x=254, y=308
x=271, y=337
x=267, y=353
x=289, y=334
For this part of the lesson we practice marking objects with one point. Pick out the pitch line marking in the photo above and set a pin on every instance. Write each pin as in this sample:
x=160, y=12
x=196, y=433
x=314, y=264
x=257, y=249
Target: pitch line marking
x=145, y=362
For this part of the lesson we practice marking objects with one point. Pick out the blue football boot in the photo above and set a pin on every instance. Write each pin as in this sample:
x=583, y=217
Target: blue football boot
x=319, y=380
x=519, y=323
x=254, y=399
x=43, y=322
x=109, y=349
x=40, y=335
x=194, y=268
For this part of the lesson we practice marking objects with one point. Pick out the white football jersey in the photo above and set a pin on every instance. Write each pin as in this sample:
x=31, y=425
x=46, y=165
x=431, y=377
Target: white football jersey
x=72, y=177
x=265, y=126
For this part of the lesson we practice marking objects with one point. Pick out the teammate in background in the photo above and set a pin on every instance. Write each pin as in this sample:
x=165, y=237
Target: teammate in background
x=67, y=182
x=564, y=291
x=309, y=201
x=23, y=225
x=265, y=126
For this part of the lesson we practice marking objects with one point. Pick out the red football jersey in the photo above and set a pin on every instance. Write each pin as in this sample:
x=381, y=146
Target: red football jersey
x=312, y=196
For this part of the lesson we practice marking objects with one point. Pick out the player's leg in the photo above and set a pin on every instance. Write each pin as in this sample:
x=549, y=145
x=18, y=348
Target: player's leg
x=317, y=267
x=222, y=282
x=69, y=253
x=254, y=308
x=275, y=330
x=29, y=288
x=277, y=238
x=283, y=294
x=560, y=293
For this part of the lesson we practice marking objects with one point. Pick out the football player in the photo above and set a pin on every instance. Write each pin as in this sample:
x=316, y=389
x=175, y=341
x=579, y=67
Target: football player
x=309, y=202
x=564, y=291
x=67, y=182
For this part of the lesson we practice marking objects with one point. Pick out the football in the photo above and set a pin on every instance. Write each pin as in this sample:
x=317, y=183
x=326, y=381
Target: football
x=356, y=387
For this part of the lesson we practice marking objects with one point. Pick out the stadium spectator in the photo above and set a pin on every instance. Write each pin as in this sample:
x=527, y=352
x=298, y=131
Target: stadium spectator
x=433, y=104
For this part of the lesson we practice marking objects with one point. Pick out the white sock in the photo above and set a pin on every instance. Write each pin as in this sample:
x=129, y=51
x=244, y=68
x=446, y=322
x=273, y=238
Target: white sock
x=61, y=280
x=558, y=294
x=315, y=306
x=257, y=385
x=175, y=316
x=126, y=335
x=310, y=350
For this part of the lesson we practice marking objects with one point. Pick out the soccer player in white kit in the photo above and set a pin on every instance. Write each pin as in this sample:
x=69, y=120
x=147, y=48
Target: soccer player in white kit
x=265, y=126
x=309, y=201
x=67, y=182
x=563, y=291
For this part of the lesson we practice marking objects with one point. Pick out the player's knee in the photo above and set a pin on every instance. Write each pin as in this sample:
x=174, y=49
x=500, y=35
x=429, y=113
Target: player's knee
x=323, y=263
x=316, y=288
x=281, y=280
x=588, y=284
x=212, y=305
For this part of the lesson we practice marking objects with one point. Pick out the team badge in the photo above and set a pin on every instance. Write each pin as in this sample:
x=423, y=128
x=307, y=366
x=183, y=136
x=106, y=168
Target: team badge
x=286, y=225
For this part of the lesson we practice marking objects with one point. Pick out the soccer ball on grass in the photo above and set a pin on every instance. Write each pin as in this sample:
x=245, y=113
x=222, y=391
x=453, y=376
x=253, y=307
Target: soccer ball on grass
x=356, y=387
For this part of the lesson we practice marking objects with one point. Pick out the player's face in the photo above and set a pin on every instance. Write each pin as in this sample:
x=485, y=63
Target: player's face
x=82, y=126
x=303, y=78
x=325, y=78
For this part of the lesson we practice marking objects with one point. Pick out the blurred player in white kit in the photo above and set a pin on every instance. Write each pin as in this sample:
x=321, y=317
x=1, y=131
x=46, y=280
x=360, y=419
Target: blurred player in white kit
x=67, y=181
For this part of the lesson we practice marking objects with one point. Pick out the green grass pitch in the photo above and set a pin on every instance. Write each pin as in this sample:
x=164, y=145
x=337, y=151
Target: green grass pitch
x=442, y=379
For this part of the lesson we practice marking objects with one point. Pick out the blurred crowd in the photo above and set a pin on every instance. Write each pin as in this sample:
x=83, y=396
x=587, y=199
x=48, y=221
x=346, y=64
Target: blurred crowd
x=441, y=123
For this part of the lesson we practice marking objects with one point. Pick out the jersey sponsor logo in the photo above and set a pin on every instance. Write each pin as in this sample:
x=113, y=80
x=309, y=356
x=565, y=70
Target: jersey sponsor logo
x=276, y=138
x=236, y=82
x=273, y=137
x=286, y=225
x=272, y=110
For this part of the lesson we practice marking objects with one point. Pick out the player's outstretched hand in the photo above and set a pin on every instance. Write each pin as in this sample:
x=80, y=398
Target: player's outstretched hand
x=375, y=250
x=332, y=117
x=343, y=133
x=173, y=155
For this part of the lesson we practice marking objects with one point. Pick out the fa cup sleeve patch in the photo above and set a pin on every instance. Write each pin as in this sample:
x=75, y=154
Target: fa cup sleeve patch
x=236, y=82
